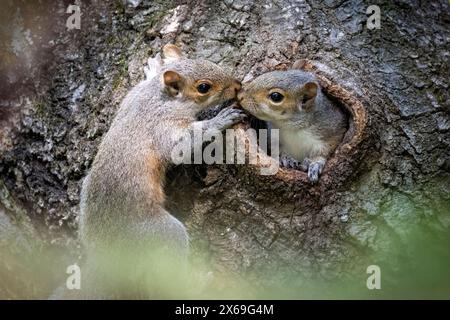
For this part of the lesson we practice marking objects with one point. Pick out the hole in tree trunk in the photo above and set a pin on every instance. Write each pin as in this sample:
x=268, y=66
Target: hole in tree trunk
x=340, y=163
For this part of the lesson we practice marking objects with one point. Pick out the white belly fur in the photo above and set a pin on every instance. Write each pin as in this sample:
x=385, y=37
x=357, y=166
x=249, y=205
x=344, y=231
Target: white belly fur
x=302, y=144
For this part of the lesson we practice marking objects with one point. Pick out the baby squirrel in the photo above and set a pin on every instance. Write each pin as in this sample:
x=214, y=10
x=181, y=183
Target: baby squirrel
x=310, y=125
x=122, y=198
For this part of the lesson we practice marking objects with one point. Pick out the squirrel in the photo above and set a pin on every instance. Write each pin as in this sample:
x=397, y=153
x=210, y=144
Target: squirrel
x=310, y=125
x=122, y=198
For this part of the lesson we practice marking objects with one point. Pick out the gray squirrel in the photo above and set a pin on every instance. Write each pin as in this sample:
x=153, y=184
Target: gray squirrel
x=310, y=125
x=123, y=221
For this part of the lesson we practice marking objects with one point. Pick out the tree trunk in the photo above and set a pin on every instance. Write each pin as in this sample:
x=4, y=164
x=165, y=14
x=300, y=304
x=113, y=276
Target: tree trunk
x=384, y=198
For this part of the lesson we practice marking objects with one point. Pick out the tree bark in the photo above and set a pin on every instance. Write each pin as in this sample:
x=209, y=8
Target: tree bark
x=383, y=199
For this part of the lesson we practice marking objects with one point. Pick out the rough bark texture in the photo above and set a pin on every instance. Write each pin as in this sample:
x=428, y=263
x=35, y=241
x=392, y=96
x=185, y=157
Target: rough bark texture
x=60, y=92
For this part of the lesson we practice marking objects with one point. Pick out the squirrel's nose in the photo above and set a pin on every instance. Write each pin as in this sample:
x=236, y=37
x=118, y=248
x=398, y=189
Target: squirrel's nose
x=237, y=86
x=239, y=96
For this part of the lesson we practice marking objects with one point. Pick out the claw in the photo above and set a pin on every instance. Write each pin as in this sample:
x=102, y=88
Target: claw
x=314, y=169
x=228, y=117
x=289, y=162
x=313, y=173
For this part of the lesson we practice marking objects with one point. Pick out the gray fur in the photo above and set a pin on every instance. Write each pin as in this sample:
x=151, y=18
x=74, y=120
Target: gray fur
x=122, y=212
x=323, y=123
x=326, y=117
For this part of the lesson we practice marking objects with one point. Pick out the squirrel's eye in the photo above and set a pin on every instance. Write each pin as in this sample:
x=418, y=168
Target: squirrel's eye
x=276, y=97
x=203, y=87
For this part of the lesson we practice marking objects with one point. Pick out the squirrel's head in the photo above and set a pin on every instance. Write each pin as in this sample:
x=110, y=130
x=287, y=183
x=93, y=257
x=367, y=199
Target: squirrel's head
x=279, y=95
x=196, y=80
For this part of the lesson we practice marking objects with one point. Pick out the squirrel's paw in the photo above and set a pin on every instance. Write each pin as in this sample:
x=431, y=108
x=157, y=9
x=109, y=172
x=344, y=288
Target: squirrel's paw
x=288, y=162
x=227, y=117
x=315, y=168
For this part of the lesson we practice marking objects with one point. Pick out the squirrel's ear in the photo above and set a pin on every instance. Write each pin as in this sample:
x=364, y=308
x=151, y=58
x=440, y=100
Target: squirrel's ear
x=172, y=82
x=309, y=92
x=171, y=53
